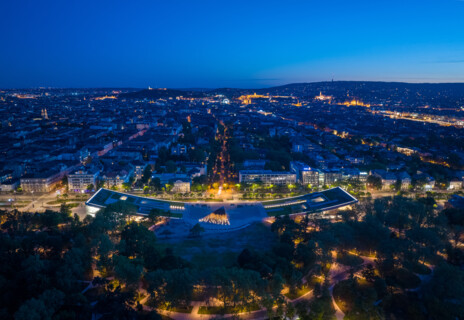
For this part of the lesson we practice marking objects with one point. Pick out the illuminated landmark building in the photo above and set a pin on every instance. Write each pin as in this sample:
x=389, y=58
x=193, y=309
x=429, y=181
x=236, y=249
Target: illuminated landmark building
x=227, y=216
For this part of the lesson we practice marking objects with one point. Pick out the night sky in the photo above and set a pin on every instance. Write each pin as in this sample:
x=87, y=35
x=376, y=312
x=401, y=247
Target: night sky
x=218, y=43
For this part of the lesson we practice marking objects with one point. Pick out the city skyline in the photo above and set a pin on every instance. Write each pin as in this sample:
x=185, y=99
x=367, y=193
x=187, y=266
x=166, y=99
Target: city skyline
x=173, y=160
x=206, y=45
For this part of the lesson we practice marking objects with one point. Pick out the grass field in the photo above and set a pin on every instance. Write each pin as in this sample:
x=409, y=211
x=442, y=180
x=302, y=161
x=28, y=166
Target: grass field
x=186, y=309
x=298, y=293
x=349, y=259
x=221, y=249
x=226, y=310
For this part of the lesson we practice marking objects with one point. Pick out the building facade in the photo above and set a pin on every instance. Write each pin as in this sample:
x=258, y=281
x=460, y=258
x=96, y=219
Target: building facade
x=305, y=174
x=80, y=180
x=40, y=183
x=181, y=186
x=267, y=177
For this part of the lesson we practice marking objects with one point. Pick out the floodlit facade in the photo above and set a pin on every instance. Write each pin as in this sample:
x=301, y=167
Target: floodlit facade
x=45, y=182
x=80, y=180
x=181, y=186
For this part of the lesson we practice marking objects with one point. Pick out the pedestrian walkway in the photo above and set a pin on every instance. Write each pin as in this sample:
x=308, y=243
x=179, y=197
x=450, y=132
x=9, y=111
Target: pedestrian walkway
x=253, y=315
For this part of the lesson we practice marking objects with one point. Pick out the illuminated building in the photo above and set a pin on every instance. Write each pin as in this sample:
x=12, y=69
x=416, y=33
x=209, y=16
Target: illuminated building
x=105, y=97
x=40, y=182
x=81, y=179
x=44, y=114
x=181, y=186
x=305, y=174
x=246, y=99
x=267, y=177
x=355, y=102
x=322, y=97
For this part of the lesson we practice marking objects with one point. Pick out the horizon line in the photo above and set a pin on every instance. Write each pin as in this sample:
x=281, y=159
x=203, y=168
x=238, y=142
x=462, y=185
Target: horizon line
x=236, y=88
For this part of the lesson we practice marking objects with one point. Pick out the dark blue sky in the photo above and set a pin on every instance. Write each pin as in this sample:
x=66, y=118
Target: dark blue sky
x=203, y=43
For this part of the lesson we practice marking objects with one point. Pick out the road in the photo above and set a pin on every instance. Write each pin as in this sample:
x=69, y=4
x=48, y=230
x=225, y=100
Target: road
x=38, y=202
x=221, y=170
x=339, y=273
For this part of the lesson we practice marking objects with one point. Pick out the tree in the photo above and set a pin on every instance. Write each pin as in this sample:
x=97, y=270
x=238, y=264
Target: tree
x=50, y=219
x=119, y=211
x=374, y=182
x=173, y=287
x=100, y=184
x=42, y=308
x=171, y=166
x=151, y=315
x=34, y=272
x=136, y=239
x=427, y=242
x=146, y=174
x=116, y=302
x=128, y=270
x=64, y=183
x=65, y=210
x=444, y=293
x=33, y=309
x=305, y=253
x=156, y=183
x=197, y=155
x=76, y=261
x=236, y=286
x=104, y=250
x=171, y=262
x=369, y=273
x=155, y=215
x=196, y=230
x=455, y=160
x=127, y=186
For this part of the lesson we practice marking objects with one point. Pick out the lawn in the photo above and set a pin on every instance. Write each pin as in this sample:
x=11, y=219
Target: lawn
x=168, y=214
x=349, y=259
x=70, y=204
x=418, y=268
x=298, y=293
x=282, y=211
x=228, y=309
x=403, y=278
x=183, y=309
x=220, y=249
x=200, y=200
x=8, y=205
x=347, y=297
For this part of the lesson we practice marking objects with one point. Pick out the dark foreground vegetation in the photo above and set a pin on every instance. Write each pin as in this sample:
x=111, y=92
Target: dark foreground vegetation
x=389, y=258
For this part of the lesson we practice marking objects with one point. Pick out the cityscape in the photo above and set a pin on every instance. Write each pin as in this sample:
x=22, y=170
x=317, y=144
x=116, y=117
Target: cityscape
x=197, y=196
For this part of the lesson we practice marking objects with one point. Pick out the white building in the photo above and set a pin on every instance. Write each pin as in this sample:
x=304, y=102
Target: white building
x=181, y=186
x=80, y=180
x=455, y=184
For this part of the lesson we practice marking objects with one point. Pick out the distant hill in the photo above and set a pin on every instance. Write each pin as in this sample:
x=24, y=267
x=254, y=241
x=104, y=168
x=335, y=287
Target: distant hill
x=445, y=94
x=160, y=94
x=361, y=88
